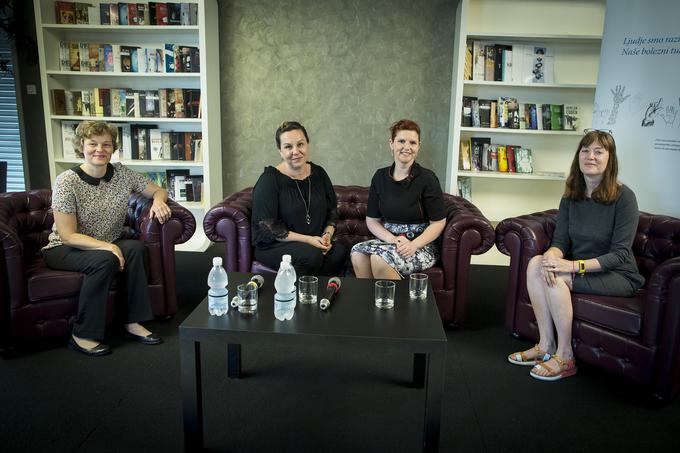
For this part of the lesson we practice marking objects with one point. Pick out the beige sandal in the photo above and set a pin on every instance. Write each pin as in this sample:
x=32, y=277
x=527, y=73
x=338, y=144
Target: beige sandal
x=566, y=368
x=520, y=358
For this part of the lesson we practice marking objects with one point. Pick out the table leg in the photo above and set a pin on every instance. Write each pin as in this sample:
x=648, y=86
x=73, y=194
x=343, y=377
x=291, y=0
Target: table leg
x=192, y=395
x=434, y=392
x=419, y=366
x=234, y=361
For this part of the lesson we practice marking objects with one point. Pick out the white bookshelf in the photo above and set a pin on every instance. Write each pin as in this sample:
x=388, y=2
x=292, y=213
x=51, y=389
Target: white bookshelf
x=204, y=36
x=573, y=32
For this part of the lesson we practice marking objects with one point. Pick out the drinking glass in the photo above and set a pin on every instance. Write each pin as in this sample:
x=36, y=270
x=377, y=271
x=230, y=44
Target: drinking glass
x=417, y=286
x=247, y=298
x=308, y=289
x=384, y=294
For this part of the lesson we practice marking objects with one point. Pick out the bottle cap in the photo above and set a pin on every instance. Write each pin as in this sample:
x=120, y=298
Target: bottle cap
x=217, y=261
x=285, y=258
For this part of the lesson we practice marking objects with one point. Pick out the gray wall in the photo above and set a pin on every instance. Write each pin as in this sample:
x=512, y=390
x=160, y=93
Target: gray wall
x=345, y=69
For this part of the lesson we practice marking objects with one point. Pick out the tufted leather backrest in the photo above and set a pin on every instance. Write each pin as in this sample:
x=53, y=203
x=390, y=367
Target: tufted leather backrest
x=25, y=222
x=657, y=240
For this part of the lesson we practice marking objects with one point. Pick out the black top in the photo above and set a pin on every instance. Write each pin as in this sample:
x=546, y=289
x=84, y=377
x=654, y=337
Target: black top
x=415, y=199
x=279, y=205
x=587, y=229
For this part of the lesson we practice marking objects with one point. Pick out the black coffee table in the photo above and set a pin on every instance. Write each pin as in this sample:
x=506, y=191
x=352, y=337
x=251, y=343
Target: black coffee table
x=352, y=323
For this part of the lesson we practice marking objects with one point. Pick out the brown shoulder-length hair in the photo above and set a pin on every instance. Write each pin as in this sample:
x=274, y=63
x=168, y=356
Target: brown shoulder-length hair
x=608, y=190
x=404, y=125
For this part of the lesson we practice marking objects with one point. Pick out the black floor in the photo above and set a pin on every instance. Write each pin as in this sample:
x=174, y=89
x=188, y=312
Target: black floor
x=59, y=401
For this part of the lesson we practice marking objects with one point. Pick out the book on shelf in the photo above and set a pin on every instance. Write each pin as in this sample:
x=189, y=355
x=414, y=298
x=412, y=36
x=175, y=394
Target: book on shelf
x=556, y=114
x=478, y=60
x=570, y=118
x=502, y=153
x=506, y=74
x=68, y=137
x=546, y=117
x=467, y=67
x=499, y=61
x=477, y=149
x=467, y=111
x=465, y=187
x=93, y=15
x=524, y=161
x=510, y=154
x=542, y=65
x=113, y=13
x=82, y=16
x=475, y=113
x=465, y=155
x=489, y=62
x=174, y=13
x=133, y=18
x=123, y=13
x=105, y=13
x=173, y=176
x=65, y=12
x=484, y=112
x=157, y=177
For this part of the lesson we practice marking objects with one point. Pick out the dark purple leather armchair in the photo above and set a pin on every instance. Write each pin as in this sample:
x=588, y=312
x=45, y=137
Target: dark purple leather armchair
x=467, y=233
x=635, y=337
x=37, y=302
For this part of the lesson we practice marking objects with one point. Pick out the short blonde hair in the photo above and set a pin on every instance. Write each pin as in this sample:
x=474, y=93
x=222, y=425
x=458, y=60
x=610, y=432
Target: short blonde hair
x=89, y=128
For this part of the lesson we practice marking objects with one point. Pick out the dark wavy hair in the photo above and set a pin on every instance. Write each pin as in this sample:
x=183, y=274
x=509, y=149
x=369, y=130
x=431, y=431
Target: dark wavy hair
x=287, y=126
x=404, y=125
x=608, y=190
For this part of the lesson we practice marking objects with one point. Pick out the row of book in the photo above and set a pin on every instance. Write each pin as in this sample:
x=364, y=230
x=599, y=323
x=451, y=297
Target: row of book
x=517, y=63
x=128, y=103
x=143, y=142
x=96, y=57
x=465, y=187
x=479, y=154
x=179, y=182
x=151, y=13
x=507, y=112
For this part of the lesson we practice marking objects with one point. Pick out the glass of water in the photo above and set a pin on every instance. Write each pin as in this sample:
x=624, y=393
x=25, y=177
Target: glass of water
x=247, y=298
x=384, y=294
x=308, y=288
x=417, y=286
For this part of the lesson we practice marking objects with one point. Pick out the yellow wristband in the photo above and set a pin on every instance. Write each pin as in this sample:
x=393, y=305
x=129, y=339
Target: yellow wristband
x=581, y=267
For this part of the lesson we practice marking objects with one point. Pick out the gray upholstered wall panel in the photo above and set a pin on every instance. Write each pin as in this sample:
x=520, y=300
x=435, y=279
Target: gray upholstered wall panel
x=345, y=69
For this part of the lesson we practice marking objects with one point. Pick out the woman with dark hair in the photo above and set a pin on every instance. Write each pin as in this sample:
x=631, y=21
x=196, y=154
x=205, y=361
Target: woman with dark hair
x=90, y=202
x=591, y=253
x=405, y=213
x=295, y=209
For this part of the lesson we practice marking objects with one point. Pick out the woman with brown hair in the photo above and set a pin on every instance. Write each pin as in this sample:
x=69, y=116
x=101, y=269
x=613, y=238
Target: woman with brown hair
x=590, y=253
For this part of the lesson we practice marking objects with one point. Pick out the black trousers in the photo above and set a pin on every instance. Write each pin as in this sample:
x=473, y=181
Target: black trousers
x=100, y=268
x=306, y=259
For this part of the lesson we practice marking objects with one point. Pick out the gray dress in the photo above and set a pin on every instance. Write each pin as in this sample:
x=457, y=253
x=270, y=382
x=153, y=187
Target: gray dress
x=587, y=229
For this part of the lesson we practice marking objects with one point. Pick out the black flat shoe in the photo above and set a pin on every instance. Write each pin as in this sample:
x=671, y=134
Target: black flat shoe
x=100, y=349
x=149, y=339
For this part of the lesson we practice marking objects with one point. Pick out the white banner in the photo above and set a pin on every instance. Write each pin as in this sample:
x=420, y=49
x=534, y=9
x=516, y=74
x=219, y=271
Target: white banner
x=638, y=98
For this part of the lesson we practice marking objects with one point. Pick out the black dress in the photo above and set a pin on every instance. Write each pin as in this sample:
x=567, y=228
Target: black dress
x=282, y=204
x=407, y=207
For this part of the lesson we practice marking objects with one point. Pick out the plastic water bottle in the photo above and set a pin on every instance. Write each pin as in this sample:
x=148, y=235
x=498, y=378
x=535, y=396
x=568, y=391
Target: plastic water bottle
x=285, y=297
x=218, y=295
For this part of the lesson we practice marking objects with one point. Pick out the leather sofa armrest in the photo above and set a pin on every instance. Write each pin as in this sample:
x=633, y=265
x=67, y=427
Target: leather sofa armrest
x=176, y=230
x=530, y=234
x=229, y=222
x=662, y=323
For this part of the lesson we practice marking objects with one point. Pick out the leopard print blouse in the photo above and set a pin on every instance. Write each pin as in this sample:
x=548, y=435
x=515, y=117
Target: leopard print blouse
x=99, y=204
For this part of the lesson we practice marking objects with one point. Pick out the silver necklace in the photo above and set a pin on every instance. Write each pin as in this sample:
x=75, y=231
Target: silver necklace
x=307, y=205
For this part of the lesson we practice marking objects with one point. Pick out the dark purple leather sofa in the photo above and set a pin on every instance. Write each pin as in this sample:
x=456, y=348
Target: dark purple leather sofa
x=467, y=233
x=635, y=337
x=37, y=302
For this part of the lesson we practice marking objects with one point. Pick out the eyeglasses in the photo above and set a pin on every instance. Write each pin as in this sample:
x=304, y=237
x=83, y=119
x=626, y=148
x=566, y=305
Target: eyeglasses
x=606, y=131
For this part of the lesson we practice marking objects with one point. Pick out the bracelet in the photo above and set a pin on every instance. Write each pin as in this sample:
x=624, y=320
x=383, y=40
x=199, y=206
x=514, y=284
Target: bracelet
x=581, y=267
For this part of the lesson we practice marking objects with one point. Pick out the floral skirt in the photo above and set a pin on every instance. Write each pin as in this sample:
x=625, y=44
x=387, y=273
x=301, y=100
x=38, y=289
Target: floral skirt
x=423, y=259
